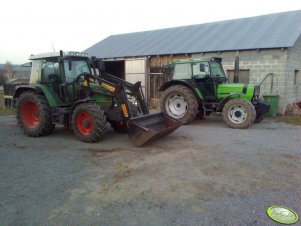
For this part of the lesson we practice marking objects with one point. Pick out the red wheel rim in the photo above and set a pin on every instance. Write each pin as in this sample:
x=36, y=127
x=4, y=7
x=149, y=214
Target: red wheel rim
x=84, y=123
x=30, y=114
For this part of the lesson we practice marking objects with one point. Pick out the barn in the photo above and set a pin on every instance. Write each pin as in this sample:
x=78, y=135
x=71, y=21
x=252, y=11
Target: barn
x=268, y=44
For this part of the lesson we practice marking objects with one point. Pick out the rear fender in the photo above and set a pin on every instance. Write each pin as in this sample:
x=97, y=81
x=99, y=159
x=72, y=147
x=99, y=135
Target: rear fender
x=183, y=83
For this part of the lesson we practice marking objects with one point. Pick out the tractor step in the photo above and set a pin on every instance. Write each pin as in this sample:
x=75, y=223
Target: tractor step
x=147, y=128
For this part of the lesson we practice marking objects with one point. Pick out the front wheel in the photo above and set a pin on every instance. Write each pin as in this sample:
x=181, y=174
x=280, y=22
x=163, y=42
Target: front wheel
x=239, y=113
x=89, y=122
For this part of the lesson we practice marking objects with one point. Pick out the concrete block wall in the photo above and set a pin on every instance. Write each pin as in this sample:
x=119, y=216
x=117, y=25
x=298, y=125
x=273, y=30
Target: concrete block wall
x=293, y=64
x=260, y=63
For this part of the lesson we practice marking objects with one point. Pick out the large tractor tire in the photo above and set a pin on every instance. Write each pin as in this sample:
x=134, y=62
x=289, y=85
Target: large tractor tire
x=239, y=113
x=180, y=103
x=89, y=122
x=34, y=114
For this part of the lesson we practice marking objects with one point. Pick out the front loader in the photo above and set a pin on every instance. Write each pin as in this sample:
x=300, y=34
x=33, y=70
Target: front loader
x=65, y=90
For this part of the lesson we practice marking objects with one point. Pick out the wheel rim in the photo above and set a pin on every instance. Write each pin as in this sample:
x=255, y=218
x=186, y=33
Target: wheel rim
x=84, y=123
x=176, y=105
x=237, y=114
x=30, y=114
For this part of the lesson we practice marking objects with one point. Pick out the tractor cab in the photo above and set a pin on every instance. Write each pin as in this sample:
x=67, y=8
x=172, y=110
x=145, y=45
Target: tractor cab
x=205, y=74
x=59, y=73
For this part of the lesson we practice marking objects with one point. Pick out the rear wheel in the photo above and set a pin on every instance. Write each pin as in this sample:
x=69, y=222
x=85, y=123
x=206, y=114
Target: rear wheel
x=89, y=122
x=180, y=103
x=239, y=113
x=34, y=114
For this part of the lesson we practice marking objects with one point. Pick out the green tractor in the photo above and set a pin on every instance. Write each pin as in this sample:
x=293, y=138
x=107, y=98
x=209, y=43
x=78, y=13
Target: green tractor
x=71, y=89
x=199, y=87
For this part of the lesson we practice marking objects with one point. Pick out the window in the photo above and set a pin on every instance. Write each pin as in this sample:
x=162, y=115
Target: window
x=216, y=69
x=244, y=76
x=182, y=71
x=296, y=77
x=77, y=67
x=50, y=67
x=200, y=70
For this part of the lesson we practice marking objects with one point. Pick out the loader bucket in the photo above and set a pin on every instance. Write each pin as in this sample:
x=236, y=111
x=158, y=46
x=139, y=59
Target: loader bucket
x=146, y=128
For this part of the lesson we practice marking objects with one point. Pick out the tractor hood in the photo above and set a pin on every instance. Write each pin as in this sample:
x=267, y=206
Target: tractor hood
x=244, y=90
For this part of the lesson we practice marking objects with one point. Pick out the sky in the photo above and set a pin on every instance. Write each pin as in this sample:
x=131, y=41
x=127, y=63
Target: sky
x=34, y=26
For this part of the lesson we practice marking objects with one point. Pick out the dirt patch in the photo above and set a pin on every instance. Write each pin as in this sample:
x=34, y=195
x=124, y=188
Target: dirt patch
x=293, y=120
x=123, y=171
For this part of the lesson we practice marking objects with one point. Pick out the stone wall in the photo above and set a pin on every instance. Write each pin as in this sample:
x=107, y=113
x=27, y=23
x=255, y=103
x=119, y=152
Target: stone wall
x=294, y=69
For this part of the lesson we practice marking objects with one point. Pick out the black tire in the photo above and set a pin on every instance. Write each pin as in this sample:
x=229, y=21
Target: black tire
x=200, y=115
x=34, y=114
x=89, y=122
x=121, y=126
x=239, y=113
x=184, y=106
x=259, y=118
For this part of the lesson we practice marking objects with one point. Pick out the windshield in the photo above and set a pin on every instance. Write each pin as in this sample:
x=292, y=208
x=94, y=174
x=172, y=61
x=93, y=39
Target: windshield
x=216, y=69
x=77, y=67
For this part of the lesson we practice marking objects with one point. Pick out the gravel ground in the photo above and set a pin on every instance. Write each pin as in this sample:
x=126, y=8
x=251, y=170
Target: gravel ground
x=202, y=174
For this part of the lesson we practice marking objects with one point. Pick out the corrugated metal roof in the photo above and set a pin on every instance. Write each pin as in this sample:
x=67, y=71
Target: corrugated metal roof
x=260, y=32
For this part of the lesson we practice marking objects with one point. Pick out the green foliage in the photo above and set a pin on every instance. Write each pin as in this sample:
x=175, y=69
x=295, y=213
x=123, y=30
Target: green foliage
x=7, y=111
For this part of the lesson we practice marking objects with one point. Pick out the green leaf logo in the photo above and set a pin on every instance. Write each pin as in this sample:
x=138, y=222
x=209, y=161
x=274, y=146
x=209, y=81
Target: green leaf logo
x=283, y=215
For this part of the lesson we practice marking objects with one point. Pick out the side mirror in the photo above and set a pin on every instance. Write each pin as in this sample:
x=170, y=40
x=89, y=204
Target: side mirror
x=202, y=67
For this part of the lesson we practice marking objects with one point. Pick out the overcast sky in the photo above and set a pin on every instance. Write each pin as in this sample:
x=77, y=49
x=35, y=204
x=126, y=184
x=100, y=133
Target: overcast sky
x=32, y=26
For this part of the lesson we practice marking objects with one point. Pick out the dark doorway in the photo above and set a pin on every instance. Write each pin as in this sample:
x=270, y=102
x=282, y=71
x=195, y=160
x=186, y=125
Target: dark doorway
x=116, y=68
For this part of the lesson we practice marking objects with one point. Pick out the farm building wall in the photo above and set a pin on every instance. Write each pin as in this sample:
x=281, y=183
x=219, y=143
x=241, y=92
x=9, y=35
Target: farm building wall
x=293, y=85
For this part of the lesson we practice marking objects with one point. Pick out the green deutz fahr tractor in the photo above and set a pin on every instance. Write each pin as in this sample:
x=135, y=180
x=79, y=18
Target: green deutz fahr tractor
x=199, y=87
x=70, y=89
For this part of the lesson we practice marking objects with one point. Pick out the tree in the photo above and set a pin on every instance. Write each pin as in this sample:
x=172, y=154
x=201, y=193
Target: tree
x=6, y=72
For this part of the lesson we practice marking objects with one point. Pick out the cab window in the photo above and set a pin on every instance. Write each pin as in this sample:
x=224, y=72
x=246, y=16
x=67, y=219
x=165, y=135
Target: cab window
x=200, y=70
x=182, y=71
x=77, y=67
x=49, y=67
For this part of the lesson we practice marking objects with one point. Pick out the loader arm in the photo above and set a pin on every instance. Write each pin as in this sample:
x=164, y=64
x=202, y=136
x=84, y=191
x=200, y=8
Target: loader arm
x=143, y=128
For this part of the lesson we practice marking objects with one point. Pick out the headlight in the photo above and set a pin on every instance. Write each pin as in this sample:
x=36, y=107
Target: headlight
x=256, y=90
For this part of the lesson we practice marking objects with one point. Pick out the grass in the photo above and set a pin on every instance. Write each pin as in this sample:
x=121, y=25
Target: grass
x=7, y=111
x=294, y=120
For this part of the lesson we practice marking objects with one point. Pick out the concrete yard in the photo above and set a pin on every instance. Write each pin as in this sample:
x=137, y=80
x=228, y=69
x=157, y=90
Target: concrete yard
x=202, y=174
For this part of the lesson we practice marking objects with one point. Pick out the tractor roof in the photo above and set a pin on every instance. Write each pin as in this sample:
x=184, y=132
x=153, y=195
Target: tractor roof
x=191, y=60
x=57, y=54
